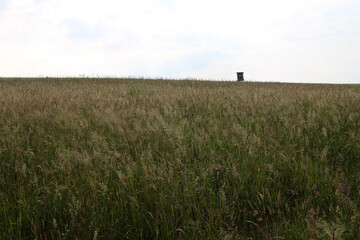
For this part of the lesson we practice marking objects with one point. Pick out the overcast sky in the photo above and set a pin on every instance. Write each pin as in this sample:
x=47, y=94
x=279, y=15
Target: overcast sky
x=278, y=40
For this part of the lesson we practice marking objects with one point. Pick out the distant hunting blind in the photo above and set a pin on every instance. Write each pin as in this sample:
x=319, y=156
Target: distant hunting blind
x=240, y=76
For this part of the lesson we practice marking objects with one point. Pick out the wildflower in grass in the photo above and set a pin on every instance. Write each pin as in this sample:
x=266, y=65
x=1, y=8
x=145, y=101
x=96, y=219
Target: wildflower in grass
x=197, y=190
x=255, y=213
x=42, y=192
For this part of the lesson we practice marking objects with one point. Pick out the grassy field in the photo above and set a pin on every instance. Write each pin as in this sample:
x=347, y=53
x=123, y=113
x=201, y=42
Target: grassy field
x=156, y=159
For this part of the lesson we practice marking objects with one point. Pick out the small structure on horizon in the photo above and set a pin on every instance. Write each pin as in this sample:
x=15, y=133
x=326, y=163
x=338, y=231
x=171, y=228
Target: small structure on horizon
x=240, y=76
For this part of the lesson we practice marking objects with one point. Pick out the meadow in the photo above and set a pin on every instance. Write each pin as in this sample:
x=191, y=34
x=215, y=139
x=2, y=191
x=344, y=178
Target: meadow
x=167, y=159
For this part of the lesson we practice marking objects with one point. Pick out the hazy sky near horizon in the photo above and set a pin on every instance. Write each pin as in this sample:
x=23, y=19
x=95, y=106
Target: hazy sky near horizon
x=279, y=40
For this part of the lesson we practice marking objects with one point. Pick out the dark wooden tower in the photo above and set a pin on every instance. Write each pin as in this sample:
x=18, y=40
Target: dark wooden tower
x=240, y=76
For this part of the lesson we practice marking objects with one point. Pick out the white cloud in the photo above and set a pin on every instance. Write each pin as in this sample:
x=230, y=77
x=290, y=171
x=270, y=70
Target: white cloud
x=308, y=40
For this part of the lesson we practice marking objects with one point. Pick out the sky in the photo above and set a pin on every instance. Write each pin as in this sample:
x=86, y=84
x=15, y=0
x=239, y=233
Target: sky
x=274, y=41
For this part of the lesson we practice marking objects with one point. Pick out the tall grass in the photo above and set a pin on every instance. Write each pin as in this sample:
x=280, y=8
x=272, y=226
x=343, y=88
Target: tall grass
x=152, y=159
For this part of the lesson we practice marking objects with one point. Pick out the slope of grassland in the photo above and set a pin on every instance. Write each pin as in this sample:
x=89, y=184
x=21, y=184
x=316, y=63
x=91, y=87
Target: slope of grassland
x=152, y=159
